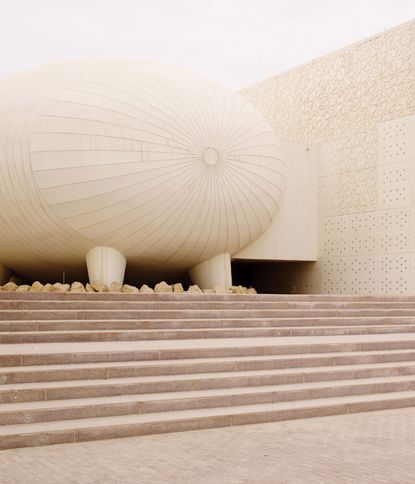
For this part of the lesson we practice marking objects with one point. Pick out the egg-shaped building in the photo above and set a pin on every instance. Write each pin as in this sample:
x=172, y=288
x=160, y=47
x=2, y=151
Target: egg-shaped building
x=129, y=161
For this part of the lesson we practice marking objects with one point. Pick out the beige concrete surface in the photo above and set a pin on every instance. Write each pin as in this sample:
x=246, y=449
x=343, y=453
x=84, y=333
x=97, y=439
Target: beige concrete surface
x=363, y=448
x=29, y=348
x=293, y=233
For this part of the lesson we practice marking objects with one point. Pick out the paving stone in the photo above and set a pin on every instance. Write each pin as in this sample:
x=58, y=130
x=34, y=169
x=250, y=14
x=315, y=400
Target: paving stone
x=366, y=448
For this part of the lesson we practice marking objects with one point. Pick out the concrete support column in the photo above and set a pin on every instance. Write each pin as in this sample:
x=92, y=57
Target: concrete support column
x=105, y=265
x=215, y=272
x=5, y=274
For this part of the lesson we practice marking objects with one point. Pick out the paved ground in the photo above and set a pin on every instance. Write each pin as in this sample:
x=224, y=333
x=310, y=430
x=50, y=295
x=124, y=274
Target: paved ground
x=377, y=447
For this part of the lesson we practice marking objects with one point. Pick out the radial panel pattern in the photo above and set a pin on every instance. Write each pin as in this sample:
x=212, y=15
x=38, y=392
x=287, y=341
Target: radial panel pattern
x=166, y=167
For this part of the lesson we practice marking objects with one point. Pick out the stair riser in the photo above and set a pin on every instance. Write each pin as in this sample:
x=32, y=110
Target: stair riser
x=39, y=315
x=68, y=325
x=186, y=369
x=117, y=389
x=58, y=305
x=153, y=406
x=144, y=335
x=60, y=296
x=158, y=427
x=175, y=354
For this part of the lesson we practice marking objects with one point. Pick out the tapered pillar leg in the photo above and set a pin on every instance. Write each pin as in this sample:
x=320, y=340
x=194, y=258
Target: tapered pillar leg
x=215, y=272
x=105, y=265
x=5, y=274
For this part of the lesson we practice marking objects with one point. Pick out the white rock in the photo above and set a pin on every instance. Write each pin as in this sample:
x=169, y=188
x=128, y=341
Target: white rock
x=195, y=289
x=36, y=287
x=58, y=287
x=239, y=290
x=163, y=287
x=77, y=287
x=178, y=288
x=47, y=287
x=99, y=286
x=10, y=286
x=251, y=290
x=144, y=289
x=89, y=288
x=115, y=287
x=209, y=291
x=129, y=289
x=221, y=290
x=23, y=288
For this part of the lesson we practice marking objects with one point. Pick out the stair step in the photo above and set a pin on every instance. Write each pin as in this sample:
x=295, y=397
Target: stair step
x=113, y=314
x=89, y=366
x=159, y=334
x=78, y=371
x=57, y=390
x=178, y=304
x=60, y=353
x=64, y=431
x=153, y=324
x=23, y=413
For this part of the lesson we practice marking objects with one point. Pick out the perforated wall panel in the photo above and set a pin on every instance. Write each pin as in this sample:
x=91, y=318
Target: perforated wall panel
x=394, y=141
x=358, y=106
x=394, y=185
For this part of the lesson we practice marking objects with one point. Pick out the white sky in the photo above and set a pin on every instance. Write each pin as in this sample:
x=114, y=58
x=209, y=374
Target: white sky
x=235, y=42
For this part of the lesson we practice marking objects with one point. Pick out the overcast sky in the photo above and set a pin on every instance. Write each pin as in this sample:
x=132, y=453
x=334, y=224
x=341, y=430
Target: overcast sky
x=235, y=42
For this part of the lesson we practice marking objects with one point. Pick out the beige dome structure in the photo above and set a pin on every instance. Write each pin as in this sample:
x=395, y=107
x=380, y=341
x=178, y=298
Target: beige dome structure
x=130, y=161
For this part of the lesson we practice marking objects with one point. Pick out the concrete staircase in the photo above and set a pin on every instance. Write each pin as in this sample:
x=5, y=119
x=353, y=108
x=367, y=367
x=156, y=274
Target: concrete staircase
x=78, y=367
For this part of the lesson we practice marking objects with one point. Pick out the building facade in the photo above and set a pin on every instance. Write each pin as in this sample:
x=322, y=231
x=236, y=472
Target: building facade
x=356, y=108
x=115, y=164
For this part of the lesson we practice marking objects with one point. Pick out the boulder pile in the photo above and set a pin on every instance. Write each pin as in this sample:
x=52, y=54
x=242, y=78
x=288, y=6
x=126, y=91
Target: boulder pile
x=97, y=286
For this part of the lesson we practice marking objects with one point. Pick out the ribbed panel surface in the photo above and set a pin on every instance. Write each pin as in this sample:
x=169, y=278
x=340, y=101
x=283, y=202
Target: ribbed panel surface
x=156, y=162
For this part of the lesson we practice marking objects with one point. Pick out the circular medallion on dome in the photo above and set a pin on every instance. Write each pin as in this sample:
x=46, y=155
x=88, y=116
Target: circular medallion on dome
x=210, y=156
